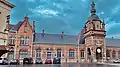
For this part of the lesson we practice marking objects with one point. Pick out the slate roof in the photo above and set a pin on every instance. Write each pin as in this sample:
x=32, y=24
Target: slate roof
x=17, y=26
x=112, y=42
x=10, y=26
x=93, y=17
x=55, y=38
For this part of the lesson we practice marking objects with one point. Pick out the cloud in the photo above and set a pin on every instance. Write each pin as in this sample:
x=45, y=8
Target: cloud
x=44, y=12
x=31, y=0
x=113, y=35
x=116, y=9
x=69, y=15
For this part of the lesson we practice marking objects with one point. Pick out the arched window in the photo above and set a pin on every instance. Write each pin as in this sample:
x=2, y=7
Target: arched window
x=113, y=54
x=71, y=53
x=38, y=53
x=58, y=52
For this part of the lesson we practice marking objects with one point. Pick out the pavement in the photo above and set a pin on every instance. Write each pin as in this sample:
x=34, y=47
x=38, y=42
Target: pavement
x=118, y=64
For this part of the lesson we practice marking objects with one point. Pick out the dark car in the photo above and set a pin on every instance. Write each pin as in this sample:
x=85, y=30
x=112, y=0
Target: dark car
x=56, y=61
x=38, y=61
x=14, y=62
x=48, y=61
x=28, y=61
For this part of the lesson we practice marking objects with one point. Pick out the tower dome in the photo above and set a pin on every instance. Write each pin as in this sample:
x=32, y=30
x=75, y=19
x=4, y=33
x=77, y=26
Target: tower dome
x=93, y=15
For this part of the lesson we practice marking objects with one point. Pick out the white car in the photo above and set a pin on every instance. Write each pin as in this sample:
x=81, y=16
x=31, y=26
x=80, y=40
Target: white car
x=3, y=61
x=116, y=61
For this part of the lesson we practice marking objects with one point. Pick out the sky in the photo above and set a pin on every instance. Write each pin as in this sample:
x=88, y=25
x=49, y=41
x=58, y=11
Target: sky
x=55, y=16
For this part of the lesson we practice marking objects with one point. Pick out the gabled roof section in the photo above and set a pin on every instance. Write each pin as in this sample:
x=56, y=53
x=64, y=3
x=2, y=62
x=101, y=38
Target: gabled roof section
x=17, y=26
x=55, y=38
x=112, y=42
x=10, y=26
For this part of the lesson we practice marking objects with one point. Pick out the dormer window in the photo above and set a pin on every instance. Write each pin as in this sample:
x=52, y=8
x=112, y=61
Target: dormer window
x=25, y=29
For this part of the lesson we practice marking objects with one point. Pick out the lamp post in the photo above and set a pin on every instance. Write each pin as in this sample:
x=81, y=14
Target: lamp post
x=78, y=54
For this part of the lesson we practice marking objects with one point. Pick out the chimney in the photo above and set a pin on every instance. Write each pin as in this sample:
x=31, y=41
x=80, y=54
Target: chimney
x=62, y=34
x=26, y=18
x=33, y=26
x=43, y=33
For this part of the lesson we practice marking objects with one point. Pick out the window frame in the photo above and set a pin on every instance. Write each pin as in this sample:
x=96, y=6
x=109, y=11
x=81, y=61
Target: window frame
x=82, y=54
x=23, y=54
x=27, y=40
x=38, y=53
x=21, y=40
x=71, y=53
x=12, y=40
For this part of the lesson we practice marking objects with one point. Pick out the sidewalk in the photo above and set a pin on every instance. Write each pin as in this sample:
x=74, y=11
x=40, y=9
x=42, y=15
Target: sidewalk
x=118, y=64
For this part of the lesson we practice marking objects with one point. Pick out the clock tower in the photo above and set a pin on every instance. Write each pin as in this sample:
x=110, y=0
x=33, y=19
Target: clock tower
x=94, y=35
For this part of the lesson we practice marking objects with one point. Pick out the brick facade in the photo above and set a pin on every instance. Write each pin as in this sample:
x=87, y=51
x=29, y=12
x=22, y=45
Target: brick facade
x=89, y=45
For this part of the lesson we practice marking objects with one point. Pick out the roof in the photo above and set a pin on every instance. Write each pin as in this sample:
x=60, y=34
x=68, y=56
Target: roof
x=17, y=26
x=10, y=26
x=93, y=17
x=7, y=3
x=112, y=42
x=55, y=38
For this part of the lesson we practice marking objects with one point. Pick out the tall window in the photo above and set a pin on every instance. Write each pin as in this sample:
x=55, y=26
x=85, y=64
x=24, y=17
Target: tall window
x=38, y=53
x=48, y=54
x=114, y=54
x=82, y=53
x=27, y=40
x=108, y=53
x=21, y=40
x=12, y=39
x=10, y=56
x=58, y=52
x=118, y=54
x=71, y=53
x=23, y=54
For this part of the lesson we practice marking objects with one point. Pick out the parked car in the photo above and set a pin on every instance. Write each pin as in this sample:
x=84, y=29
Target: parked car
x=4, y=61
x=28, y=60
x=56, y=61
x=116, y=61
x=38, y=61
x=14, y=62
x=48, y=61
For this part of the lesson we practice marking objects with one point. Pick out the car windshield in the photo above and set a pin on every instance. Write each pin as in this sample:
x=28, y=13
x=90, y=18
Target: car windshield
x=0, y=58
x=5, y=58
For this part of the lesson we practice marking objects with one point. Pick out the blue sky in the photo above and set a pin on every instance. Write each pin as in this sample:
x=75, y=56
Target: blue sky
x=55, y=16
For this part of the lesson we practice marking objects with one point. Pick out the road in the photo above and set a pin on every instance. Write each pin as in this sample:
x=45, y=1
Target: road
x=64, y=65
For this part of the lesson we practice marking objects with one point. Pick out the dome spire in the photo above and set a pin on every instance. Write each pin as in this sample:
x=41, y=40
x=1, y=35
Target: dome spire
x=93, y=10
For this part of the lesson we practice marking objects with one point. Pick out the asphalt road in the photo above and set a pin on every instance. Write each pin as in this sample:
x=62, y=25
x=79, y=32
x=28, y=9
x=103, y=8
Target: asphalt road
x=64, y=65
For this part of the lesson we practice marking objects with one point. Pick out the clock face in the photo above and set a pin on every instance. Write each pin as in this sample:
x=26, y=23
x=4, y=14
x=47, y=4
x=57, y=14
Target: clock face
x=98, y=50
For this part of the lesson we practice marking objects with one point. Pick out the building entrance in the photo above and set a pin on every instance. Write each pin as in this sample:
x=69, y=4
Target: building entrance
x=99, y=54
x=89, y=55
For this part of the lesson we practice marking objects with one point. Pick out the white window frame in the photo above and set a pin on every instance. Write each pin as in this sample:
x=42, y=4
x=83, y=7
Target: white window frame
x=12, y=40
x=39, y=53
